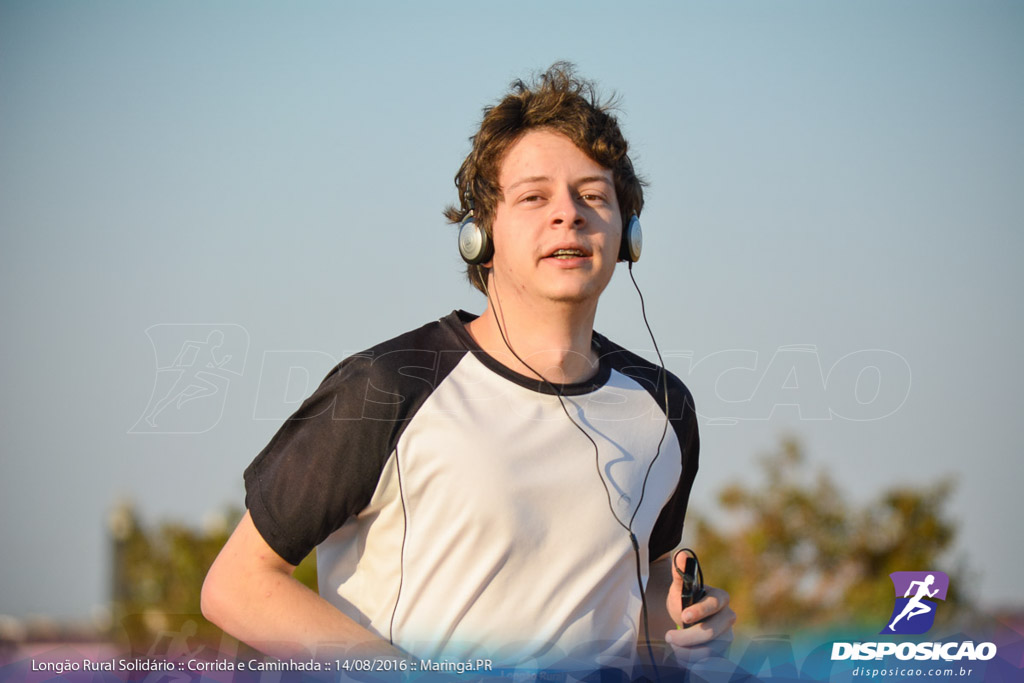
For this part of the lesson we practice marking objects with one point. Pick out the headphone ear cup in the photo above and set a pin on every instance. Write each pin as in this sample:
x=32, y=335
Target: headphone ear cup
x=632, y=241
x=474, y=244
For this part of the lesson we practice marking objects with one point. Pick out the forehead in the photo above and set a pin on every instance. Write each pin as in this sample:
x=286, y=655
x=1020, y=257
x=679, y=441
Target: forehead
x=546, y=154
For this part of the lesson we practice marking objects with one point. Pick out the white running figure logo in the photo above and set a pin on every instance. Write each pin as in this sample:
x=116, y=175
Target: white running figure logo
x=915, y=606
x=193, y=364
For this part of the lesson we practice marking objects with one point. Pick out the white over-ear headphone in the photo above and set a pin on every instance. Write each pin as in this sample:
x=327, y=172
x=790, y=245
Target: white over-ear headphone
x=474, y=243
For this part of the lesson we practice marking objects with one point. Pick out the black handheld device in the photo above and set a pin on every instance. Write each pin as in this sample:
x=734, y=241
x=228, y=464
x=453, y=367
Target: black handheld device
x=693, y=579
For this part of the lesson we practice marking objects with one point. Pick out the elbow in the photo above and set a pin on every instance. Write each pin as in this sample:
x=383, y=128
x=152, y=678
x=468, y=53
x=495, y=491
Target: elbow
x=212, y=598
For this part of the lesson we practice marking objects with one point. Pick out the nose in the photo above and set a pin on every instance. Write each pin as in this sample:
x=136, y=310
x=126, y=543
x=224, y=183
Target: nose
x=565, y=210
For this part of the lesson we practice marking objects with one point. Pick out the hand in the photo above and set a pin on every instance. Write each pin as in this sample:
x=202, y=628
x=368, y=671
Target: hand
x=709, y=621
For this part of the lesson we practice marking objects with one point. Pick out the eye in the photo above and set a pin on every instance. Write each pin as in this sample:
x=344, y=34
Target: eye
x=531, y=198
x=592, y=197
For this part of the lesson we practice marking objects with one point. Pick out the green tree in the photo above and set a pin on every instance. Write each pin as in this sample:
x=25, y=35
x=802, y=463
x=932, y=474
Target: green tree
x=158, y=573
x=793, y=553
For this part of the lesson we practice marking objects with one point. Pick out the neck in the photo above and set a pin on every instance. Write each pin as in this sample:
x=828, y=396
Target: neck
x=553, y=340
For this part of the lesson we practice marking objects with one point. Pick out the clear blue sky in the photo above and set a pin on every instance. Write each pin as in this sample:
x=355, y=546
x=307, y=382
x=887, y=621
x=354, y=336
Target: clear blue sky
x=832, y=184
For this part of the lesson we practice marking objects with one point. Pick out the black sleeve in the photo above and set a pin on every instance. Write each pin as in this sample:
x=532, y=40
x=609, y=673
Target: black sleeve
x=324, y=464
x=668, y=530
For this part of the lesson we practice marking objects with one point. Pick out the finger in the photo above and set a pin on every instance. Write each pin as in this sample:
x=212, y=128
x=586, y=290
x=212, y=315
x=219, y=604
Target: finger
x=709, y=668
x=716, y=627
x=690, y=655
x=714, y=601
x=676, y=568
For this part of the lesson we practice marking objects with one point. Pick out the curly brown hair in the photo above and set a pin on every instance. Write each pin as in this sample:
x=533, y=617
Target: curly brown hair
x=557, y=100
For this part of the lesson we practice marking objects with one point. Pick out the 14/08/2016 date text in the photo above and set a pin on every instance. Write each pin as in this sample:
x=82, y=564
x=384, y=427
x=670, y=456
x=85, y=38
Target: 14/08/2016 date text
x=413, y=665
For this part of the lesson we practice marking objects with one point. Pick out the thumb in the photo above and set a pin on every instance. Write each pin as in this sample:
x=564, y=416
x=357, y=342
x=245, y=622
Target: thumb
x=685, y=585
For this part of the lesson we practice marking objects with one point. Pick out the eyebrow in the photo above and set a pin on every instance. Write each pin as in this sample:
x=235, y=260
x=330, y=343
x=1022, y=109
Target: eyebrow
x=544, y=178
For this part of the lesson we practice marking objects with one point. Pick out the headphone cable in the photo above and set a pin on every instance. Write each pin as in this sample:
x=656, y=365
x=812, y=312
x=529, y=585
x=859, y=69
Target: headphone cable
x=597, y=453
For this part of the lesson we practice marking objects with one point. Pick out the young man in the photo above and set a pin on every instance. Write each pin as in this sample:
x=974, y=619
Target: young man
x=489, y=487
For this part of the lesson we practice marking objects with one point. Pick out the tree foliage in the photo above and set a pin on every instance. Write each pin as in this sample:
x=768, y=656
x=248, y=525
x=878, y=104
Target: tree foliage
x=157, y=575
x=792, y=552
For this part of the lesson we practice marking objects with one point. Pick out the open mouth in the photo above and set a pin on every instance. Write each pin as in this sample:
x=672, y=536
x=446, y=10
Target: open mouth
x=568, y=253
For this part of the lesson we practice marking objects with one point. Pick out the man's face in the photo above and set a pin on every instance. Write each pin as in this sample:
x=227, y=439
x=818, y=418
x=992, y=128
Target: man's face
x=557, y=227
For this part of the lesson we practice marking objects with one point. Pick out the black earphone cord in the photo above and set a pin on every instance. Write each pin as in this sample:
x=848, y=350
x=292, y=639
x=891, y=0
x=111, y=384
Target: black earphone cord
x=628, y=528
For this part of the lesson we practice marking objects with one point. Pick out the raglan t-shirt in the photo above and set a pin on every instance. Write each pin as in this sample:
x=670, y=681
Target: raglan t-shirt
x=459, y=511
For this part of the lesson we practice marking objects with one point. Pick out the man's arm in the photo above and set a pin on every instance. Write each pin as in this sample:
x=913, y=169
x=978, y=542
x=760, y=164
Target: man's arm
x=250, y=593
x=709, y=637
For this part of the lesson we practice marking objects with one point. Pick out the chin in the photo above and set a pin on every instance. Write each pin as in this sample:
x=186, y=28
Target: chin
x=575, y=290
x=575, y=296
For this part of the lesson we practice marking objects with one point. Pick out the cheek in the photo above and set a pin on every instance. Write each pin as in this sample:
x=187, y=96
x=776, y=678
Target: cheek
x=509, y=257
x=512, y=246
x=612, y=243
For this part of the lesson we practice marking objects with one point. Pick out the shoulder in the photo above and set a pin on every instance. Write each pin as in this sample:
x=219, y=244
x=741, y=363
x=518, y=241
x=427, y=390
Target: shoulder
x=389, y=373
x=325, y=462
x=436, y=335
x=647, y=374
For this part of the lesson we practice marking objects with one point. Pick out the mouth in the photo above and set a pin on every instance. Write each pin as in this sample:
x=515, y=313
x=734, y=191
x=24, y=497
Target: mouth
x=569, y=253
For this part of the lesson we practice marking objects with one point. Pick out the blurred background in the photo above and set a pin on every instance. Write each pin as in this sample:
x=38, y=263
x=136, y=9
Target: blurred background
x=205, y=206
